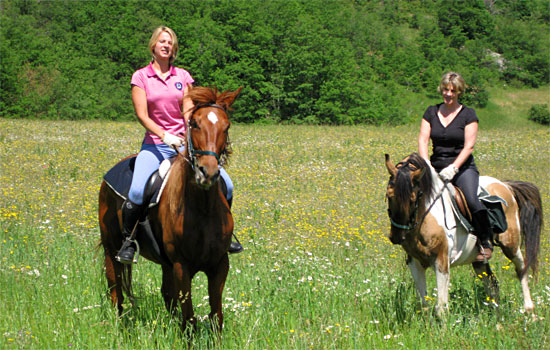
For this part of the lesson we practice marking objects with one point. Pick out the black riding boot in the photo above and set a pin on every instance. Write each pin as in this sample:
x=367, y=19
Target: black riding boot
x=130, y=217
x=484, y=231
x=234, y=247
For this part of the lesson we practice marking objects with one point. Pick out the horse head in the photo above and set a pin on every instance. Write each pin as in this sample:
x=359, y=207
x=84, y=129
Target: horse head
x=409, y=180
x=207, y=134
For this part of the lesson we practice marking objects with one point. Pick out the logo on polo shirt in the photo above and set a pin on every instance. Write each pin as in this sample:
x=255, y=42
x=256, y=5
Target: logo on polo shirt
x=179, y=86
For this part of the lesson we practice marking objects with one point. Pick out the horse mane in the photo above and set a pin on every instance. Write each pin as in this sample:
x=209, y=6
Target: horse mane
x=403, y=185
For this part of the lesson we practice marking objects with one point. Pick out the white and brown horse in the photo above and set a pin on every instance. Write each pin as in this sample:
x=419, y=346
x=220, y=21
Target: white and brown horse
x=424, y=224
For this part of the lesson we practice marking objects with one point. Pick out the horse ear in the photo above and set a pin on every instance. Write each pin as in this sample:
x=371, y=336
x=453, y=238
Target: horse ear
x=391, y=168
x=228, y=97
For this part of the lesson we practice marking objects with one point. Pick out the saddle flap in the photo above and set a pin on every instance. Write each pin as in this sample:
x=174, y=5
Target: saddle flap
x=462, y=204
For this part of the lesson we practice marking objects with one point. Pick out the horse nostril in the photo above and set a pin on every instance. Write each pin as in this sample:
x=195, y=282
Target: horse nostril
x=203, y=171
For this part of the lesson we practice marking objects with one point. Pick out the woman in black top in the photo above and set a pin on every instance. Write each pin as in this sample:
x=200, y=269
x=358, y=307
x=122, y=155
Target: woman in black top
x=452, y=127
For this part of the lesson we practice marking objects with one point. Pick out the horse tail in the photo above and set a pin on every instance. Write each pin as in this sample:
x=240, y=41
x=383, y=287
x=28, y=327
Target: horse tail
x=530, y=216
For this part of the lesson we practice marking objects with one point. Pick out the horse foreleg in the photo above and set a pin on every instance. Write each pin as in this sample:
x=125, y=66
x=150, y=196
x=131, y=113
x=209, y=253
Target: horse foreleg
x=519, y=264
x=216, y=283
x=441, y=267
x=418, y=273
x=182, y=292
x=489, y=281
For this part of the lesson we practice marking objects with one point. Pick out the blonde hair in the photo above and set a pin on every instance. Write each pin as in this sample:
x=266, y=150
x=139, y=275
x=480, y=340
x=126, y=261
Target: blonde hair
x=453, y=79
x=155, y=37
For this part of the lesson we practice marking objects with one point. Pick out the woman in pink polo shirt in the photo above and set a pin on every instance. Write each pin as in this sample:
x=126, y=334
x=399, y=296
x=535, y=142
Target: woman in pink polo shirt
x=159, y=95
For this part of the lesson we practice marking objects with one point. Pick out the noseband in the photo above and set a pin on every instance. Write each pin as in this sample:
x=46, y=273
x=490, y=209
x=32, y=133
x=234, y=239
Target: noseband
x=190, y=150
x=412, y=223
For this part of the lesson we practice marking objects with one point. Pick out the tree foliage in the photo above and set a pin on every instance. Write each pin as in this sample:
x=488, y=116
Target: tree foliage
x=299, y=61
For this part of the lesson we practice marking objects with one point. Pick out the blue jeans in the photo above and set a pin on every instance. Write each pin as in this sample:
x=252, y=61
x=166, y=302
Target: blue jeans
x=148, y=161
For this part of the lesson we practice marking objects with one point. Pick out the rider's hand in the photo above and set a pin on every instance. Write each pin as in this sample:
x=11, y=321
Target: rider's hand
x=172, y=140
x=448, y=173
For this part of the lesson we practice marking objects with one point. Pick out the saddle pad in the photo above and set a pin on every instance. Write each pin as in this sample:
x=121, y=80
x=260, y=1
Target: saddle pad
x=497, y=218
x=119, y=178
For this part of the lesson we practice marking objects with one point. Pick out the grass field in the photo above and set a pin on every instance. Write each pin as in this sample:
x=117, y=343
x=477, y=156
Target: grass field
x=318, y=271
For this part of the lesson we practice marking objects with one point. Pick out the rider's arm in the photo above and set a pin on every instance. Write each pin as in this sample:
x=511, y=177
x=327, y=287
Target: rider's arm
x=470, y=136
x=139, y=100
x=424, y=139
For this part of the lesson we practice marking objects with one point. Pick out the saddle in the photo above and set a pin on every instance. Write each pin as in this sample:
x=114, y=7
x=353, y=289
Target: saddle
x=497, y=218
x=461, y=204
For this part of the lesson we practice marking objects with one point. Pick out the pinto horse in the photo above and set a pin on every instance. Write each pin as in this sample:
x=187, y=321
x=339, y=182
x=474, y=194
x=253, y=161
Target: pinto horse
x=424, y=224
x=192, y=223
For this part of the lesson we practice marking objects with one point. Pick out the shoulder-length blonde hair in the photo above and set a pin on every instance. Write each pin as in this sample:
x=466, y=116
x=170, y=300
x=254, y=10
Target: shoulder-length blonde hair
x=155, y=37
x=455, y=80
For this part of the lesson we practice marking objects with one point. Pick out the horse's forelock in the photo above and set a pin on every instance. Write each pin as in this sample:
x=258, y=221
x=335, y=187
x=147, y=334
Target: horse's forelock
x=402, y=188
x=403, y=185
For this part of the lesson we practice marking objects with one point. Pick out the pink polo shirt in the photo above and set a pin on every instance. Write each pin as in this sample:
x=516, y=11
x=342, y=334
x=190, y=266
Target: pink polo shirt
x=164, y=99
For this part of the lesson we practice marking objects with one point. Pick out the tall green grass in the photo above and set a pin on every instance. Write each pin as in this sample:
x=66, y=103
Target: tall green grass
x=318, y=271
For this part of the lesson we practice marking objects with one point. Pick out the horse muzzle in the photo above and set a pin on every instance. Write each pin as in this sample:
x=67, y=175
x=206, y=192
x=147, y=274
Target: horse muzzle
x=206, y=176
x=396, y=237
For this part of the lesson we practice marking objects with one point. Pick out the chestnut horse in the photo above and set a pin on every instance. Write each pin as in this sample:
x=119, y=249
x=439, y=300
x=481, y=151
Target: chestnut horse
x=192, y=223
x=424, y=224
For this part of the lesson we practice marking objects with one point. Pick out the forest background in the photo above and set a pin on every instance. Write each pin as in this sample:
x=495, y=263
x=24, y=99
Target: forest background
x=299, y=61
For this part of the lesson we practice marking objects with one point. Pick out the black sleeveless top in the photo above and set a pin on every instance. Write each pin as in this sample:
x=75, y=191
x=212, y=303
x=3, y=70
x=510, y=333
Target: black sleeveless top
x=448, y=141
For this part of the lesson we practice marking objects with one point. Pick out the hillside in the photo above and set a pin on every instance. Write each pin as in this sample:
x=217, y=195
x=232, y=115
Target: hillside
x=299, y=61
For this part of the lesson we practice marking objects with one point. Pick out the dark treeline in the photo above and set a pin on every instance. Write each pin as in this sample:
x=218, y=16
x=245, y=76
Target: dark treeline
x=299, y=61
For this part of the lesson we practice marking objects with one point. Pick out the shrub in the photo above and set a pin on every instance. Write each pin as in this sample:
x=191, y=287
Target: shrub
x=540, y=114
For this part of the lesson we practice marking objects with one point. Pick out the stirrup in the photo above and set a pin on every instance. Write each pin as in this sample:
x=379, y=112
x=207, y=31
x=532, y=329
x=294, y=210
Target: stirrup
x=485, y=253
x=126, y=244
x=235, y=247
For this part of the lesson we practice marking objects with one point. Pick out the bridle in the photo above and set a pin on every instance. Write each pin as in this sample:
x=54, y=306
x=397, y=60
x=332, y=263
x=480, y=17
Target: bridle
x=413, y=223
x=191, y=151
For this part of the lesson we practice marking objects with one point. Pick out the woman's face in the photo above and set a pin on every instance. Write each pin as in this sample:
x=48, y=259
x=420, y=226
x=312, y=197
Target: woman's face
x=450, y=95
x=163, y=47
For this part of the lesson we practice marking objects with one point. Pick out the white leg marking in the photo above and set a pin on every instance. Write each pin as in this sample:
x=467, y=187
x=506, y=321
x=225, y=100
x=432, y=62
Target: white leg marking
x=519, y=264
x=419, y=276
x=442, y=279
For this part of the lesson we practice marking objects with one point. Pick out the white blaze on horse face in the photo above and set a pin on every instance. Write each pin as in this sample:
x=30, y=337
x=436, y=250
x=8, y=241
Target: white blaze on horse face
x=213, y=117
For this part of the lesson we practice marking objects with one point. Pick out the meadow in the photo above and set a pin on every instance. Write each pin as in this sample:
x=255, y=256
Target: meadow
x=318, y=271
